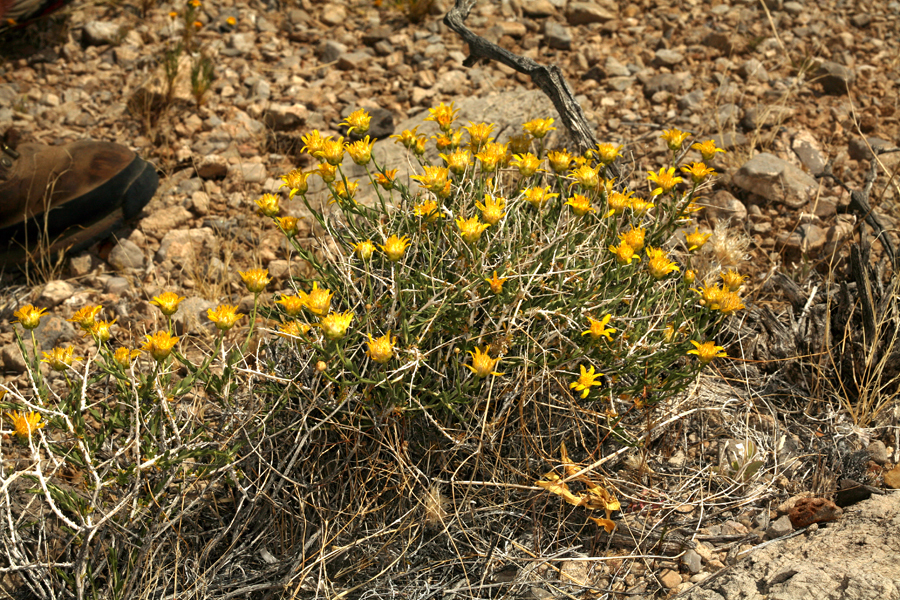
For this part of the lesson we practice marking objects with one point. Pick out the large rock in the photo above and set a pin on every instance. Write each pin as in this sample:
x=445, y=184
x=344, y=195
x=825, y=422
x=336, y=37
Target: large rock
x=776, y=180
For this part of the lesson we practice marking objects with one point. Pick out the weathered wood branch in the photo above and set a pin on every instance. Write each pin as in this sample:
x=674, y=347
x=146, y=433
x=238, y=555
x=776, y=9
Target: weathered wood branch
x=549, y=79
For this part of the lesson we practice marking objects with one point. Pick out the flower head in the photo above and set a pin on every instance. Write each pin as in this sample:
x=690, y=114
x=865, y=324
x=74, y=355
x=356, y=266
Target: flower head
x=327, y=172
x=408, y=138
x=634, y=238
x=332, y=151
x=100, y=330
x=482, y=364
x=386, y=179
x=665, y=179
x=710, y=296
x=268, y=205
x=381, y=350
x=696, y=240
x=707, y=351
x=659, y=264
x=293, y=305
x=29, y=316
x=159, y=345
x=318, y=300
x=732, y=280
x=224, y=316
x=729, y=303
x=358, y=121
x=434, y=178
x=492, y=209
x=618, y=202
x=312, y=142
x=639, y=206
x=293, y=329
x=288, y=225
x=586, y=176
x=624, y=253
x=345, y=192
x=698, y=172
x=479, y=135
x=598, y=329
x=587, y=379
x=429, y=210
x=491, y=156
x=559, y=161
x=539, y=127
x=335, y=325
x=443, y=115
x=527, y=163
x=674, y=138
x=581, y=205
x=255, y=280
x=86, y=316
x=395, y=246
x=471, y=229
x=296, y=182
x=496, y=283
x=707, y=149
x=60, y=359
x=607, y=153
x=25, y=424
x=360, y=151
x=167, y=302
x=538, y=197
x=124, y=356
x=364, y=249
x=457, y=161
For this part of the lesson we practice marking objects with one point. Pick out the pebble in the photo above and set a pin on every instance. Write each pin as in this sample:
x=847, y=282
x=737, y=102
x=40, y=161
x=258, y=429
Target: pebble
x=557, y=36
x=55, y=292
x=126, y=255
x=776, y=180
x=780, y=527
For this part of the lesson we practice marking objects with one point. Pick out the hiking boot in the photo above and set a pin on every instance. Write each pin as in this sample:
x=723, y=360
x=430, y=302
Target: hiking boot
x=63, y=198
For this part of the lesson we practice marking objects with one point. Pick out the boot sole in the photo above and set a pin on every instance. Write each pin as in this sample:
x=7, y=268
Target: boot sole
x=76, y=224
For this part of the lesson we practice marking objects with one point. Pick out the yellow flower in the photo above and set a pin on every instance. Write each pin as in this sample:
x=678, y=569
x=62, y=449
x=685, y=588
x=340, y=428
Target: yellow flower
x=29, y=316
x=293, y=329
x=698, y=172
x=288, y=225
x=492, y=155
x=224, y=316
x=268, y=205
x=408, y=137
x=167, y=302
x=479, y=135
x=419, y=147
x=624, y=253
x=332, y=151
x=318, y=300
x=429, y=210
x=674, y=138
x=528, y=164
x=707, y=149
x=327, y=172
x=598, y=329
x=394, y=247
x=519, y=144
x=335, y=325
x=669, y=333
x=86, y=316
x=360, y=151
x=696, y=240
x=659, y=264
x=255, y=280
x=732, y=280
x=471, y=229
x=607, y=153
x=159, y=345
x=634, y=238
x=538, y=197
x=689, y=276
x=364, y=249
x=496, y=283
x=60, y=359
x=100, y=330
x=730, y=302
x=434, y=178
x=381, y=350
x=482, y=364
x=25, y=424
x=640, y=207
x=618, y=202
x=313, y=142
x=457, y=161
x=581, y=205
x=585, y=381
x=707, y=351
x=293, y=305
x=172, y=15
x=443, y=116
x=124, y=356
x=231, y=21
x=539, y=127
x=492, y=209
x=588, y=177
x=198, y=25
x=358, y=121
x=386, y=179
x=559, y=161
x=710, y=296
x=345, y=192
x=665, y=179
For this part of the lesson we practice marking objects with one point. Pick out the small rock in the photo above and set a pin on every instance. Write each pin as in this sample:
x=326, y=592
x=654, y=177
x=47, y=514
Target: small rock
x=278, y=269
x=835, y=78
x=333, y=14
x=352, y=61
x=12, y=359
x=667, y=58
x=723, y=205
x=184, y=245
x=670, y=579
x=582, y=13
x=794, y=8
x=620, y=84
x=692, y=561
x=192, y=316
x=753, y=69
x=558, y=36
x=662, y=82
x=242, y=43
x=538, y=9
x=691, y=101
x=212, y=166
x=776, y=180
x=53, y=331
x=861, y=20
x=118, y=286
x=54, y=293
x=160, y=222
x=100, y=33
x=613, y=68
x=805, y=238
x=807, y=149
x=330, y=51
x=859, y=149
x=81, y=265
x=199, y=203
x=892, y=478
x=126, y=255
x=779, y=528
x=252, y=172
x=878, y=452
x=813, y=510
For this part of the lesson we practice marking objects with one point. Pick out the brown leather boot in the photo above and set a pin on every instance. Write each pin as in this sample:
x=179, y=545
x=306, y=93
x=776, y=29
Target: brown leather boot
x=66, y=197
